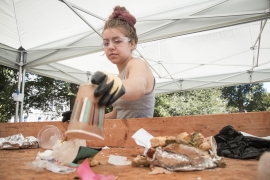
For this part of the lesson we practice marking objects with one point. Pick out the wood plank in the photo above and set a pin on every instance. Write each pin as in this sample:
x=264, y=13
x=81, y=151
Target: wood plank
x=118, y=133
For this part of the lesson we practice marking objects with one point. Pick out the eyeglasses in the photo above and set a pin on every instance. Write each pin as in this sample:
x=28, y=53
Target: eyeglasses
x=116, y=41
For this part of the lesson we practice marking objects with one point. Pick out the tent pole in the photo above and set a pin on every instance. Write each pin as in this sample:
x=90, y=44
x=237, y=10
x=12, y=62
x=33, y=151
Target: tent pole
x=23, y=84
x=18, y=92
x=147, y=61
x=85, y=11
x=259, y=45
x=180, y=87
x=20, y=60
x=71, y=7
x=259, y=36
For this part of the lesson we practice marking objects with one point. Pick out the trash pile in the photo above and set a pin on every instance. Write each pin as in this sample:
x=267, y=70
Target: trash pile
x=184, y=152
x=65, y=157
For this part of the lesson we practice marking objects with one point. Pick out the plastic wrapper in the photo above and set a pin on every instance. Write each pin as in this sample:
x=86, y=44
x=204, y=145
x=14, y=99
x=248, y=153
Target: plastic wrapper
x=39, y=165
x=72, y=151
x=45, y=160
x=64, y=156
x=65, y=152
x=18, y=141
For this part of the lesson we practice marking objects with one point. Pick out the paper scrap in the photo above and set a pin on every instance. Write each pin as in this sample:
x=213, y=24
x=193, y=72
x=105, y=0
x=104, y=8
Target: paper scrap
x=105, y=147
x=118, y=160
x=142, y=138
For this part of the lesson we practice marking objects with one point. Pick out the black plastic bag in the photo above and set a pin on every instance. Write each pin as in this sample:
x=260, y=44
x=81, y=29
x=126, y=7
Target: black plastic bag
x=231, y=143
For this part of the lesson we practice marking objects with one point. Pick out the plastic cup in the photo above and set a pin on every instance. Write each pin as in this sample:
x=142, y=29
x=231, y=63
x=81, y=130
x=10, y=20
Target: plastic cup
x=48, y=136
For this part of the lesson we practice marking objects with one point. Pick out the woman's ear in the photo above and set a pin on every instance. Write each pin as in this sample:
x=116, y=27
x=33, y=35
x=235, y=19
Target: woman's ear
x=132, y=43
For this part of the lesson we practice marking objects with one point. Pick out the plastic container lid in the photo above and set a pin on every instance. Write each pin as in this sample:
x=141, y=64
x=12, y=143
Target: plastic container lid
x=48, y=136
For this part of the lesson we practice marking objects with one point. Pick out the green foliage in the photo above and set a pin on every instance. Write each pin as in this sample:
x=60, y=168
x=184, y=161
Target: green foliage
x=248, y=97
x=162, y=105
x=259, y=102
x=8, y=86
x=265, y=103
x=194, y=102
x=40, y=93
x=43, y=93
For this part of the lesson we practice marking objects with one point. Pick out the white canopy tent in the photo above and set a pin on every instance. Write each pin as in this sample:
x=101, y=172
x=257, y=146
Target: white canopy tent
x=189, y=44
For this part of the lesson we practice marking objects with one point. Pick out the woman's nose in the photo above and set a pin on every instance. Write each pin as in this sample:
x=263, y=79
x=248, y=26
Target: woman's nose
x=111, y=45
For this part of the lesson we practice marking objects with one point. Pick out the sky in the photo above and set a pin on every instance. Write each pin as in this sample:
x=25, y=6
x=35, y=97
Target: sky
x=267, y=86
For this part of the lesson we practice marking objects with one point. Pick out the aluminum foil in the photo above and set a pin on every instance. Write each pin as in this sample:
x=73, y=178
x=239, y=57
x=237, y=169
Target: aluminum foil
x=18, y=141
x=187, y=159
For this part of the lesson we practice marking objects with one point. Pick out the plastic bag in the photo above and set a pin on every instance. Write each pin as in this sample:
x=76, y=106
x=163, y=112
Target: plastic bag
x=233, y=144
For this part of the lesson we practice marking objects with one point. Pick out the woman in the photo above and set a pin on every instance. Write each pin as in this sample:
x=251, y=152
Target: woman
x=137, y=81
x=132, y=92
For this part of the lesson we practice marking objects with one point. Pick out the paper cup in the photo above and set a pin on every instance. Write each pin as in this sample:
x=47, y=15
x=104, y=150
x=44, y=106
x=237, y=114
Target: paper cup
x=87, y=119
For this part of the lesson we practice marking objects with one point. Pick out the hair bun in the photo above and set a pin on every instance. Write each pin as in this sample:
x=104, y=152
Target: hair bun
x=122, y=14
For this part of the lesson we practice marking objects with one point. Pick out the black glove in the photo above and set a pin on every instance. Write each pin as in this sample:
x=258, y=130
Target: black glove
x=66, y=116
x=110, y=87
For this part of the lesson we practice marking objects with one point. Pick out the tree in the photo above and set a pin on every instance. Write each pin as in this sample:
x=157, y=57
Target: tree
x=42, y=93
x=162, y=105
x=46, y=94
x=7, y=87
x=73, y=91
x=248, y=97
x=195, y=102
x=260, y=102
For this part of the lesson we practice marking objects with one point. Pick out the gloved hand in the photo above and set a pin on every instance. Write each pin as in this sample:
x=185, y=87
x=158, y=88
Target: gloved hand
x=109, y=87
x=66, y=115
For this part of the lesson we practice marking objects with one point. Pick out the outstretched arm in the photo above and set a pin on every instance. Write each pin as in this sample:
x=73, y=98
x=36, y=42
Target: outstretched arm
x=136, y=83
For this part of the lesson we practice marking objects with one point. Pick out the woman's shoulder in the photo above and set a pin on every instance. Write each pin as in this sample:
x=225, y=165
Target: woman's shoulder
x=135, y=61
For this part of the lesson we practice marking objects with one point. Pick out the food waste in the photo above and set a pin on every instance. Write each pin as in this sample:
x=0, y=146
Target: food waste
x=184, y=152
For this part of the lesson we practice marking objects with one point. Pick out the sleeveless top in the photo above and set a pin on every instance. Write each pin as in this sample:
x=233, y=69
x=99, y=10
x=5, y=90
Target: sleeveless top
x=140, y=108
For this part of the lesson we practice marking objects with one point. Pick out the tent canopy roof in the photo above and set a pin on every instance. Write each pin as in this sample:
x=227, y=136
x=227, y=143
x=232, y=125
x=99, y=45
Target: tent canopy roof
x=189, y=44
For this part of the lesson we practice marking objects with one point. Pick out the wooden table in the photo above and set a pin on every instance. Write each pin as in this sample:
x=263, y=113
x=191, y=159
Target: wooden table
x=118, y=136
x=13, y=166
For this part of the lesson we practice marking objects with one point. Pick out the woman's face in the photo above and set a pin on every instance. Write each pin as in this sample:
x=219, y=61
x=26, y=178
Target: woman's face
x=118, y=48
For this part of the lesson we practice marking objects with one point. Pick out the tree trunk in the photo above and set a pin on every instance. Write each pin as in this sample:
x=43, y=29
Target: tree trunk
x=74, y=90
x=240, y=99
x=241, y=108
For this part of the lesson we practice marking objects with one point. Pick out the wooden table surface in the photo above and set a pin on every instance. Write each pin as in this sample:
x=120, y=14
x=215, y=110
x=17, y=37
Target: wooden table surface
x=12, y=166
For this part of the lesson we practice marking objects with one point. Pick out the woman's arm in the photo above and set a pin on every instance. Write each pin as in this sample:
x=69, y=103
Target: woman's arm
x=136, y=82
x=111, y=115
